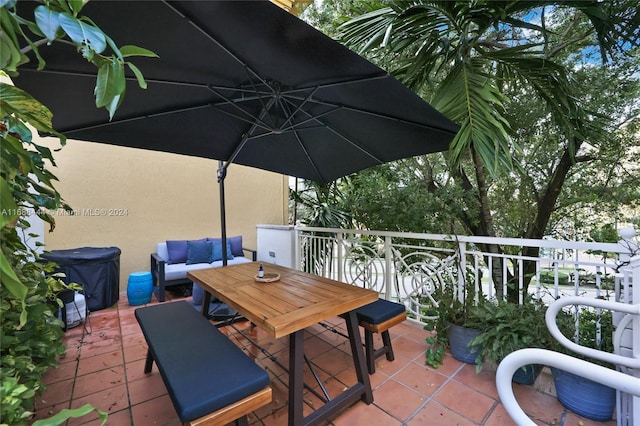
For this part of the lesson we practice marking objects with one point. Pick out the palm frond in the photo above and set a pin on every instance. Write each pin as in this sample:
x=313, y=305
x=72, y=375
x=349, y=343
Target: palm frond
x=551, y=82
x=368, y=30
x=470, y=98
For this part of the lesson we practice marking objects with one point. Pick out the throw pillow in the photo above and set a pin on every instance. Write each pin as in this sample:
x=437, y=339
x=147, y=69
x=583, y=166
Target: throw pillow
x=236, y=245
x=198, y=252
x=177, y=250
x=216, y=252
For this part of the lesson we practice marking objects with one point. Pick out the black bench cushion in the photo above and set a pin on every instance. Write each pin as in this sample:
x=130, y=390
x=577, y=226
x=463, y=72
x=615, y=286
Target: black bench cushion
x=379, y=311
x=202, y=369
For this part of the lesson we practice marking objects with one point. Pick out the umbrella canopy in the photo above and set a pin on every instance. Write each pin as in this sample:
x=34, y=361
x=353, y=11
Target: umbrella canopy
x=241, y=82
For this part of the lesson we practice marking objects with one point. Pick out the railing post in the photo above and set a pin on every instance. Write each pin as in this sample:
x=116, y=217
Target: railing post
x=388, y=276
x=298, y=243
x=635, y=283
x=635, y=279
x=462, y=250
x=339, y=240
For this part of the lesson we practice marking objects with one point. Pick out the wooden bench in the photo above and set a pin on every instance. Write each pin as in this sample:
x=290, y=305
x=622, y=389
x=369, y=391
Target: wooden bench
x=210, y=380
x=379, y=317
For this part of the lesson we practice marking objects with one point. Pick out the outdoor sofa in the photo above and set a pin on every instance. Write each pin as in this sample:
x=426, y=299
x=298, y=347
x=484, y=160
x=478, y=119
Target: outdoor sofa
x=174, y=258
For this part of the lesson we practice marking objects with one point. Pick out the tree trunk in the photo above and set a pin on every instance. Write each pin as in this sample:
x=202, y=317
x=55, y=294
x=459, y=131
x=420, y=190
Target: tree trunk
x=486, y=225
x=545, y=207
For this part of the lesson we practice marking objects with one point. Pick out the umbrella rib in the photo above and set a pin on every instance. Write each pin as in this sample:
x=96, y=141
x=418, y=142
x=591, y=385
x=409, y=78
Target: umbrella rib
x=301, y=144
x=379, y=76
x=372, y=113
x=290, y=114
x=240, y=89
x=340, y=135
x=250, y=120
x=260, y=98
x=136, y=118
x=199, y=27
x=250, y=117
x=297, y=125
x=72, y=73
x=245, y=136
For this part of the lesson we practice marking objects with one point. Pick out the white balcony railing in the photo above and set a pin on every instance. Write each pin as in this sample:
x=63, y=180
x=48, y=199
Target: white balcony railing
x=408, y=267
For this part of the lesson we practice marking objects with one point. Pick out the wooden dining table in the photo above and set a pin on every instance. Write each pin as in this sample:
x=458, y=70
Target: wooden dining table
x=285, y=308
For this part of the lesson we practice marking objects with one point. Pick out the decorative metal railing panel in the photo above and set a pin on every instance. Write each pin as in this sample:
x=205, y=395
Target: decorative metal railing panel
x=409, y=267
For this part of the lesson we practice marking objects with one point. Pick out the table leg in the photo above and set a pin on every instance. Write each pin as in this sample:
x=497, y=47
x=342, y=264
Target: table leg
x=361, y=390
x=358, y=356
x=296, y=379
x=205, y=304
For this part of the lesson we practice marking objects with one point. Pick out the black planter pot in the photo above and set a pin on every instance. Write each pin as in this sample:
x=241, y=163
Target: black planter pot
x=459, y=339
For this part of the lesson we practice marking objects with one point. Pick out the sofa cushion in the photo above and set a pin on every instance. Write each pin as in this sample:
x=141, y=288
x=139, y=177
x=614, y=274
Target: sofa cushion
x=379, y=311
x=199, y=252
x=216, y=251
x=162, y=251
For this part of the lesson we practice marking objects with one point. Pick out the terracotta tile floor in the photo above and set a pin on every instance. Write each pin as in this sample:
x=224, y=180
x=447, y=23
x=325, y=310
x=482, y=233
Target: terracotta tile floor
x=105, y=368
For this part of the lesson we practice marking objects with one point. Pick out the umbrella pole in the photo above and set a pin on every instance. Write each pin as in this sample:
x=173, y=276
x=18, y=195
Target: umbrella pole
x=222, y=173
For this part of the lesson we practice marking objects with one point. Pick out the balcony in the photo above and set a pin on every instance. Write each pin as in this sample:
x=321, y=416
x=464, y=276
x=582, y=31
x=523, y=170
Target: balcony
x=105, y=368
x=104, y=362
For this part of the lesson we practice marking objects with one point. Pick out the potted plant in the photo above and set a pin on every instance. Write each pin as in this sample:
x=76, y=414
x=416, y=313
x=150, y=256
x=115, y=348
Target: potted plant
x=585, y=397
x=455, y=324
x=507, y=327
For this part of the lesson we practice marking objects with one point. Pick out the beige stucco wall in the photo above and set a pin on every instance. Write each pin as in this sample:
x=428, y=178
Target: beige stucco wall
x=132, y=199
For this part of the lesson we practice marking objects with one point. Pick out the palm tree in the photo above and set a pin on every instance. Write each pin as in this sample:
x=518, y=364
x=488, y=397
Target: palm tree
x=317, y=203
x=464, y=56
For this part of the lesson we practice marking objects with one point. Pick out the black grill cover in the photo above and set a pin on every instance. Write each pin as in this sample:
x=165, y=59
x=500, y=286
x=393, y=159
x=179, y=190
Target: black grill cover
x=96, y=269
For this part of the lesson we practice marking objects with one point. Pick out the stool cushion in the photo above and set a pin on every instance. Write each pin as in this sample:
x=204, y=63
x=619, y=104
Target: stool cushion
x=379, y=311
x=202, y=369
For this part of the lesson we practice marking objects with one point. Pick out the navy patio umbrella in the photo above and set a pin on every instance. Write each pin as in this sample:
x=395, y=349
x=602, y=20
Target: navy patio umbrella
x=240, y=82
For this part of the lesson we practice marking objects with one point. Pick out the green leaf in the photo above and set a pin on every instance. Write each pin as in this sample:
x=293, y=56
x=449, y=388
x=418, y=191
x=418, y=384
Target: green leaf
x=48, y=21
x=8, y=206
x=130, y=50
x=10, y=54
x=76, y=5
x=141, y=81
x=12, y=283
x=7, y=54
x=110, y=83
x=113, y=106
x=19, y=102
x=67, y=413
x=83, y=33
x=14, y=100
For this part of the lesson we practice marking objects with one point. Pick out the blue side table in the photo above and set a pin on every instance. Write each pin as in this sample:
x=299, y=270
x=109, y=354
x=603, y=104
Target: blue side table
x=139, y=288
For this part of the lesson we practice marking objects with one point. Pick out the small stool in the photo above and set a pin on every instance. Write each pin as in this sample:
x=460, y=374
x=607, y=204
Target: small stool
x=139, y=288
x=379, y=317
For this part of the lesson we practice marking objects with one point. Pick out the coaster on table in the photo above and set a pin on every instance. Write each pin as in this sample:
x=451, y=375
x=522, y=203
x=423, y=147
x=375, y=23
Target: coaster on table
x=268, y=277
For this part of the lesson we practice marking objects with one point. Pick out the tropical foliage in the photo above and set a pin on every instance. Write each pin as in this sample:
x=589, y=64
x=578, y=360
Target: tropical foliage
x=545, y=130
x=31, y=339
x=507, y=327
